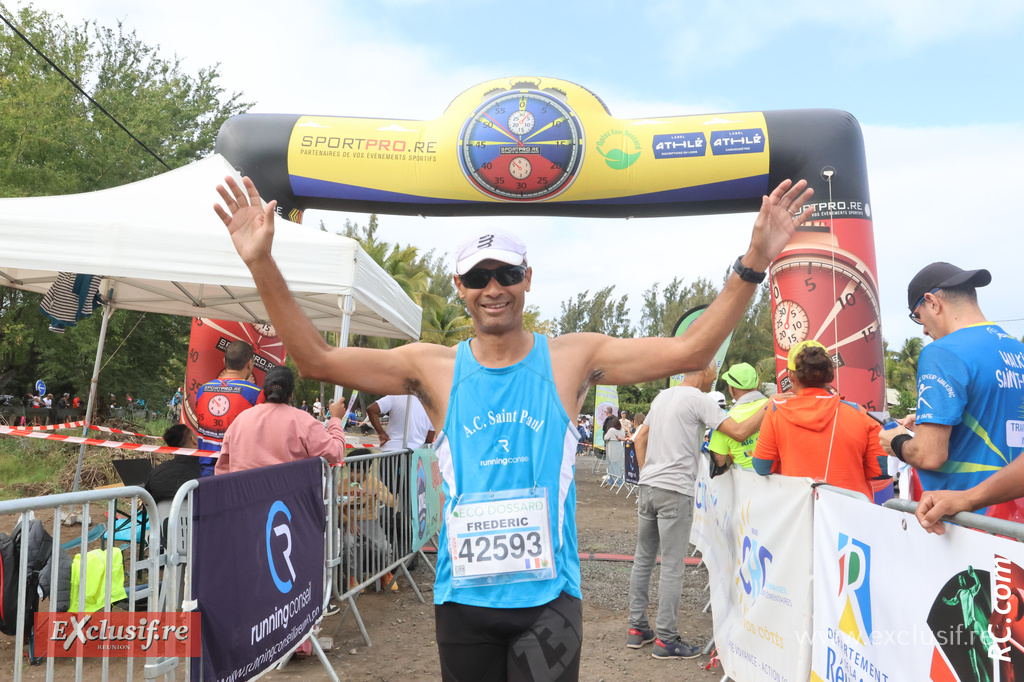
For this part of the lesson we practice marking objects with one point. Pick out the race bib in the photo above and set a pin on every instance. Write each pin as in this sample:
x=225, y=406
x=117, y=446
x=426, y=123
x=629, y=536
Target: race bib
x=501, y=538
x=1015, y=433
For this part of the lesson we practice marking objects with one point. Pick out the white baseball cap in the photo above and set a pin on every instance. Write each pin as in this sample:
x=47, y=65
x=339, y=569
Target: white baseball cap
x=719, y=398
x=493, y=245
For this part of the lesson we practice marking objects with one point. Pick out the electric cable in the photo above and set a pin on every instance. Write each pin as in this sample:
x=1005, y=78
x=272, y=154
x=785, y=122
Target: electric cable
x=79, y=88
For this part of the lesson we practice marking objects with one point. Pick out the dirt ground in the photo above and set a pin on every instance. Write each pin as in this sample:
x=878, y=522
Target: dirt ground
x=402, y=629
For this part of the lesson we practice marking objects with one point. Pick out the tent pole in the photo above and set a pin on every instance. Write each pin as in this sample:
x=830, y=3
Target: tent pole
x=408, y=420
x=107, y=309
x=346, y=323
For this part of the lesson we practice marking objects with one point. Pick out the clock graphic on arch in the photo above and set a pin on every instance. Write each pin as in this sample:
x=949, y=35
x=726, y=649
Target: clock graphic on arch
x=521, y=145
x=790, y=324
x=822, y=292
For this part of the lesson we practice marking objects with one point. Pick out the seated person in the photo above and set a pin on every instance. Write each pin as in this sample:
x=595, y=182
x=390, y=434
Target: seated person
x=164, y=480
x=364, y=497
x=613, y=429
x=816, y=434
x=275, y=432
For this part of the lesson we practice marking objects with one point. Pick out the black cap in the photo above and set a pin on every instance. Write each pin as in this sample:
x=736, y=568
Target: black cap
x=943, y=276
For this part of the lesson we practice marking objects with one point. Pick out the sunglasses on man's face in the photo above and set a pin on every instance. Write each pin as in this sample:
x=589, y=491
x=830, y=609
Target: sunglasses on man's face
x=913, y=313
x=506, y=275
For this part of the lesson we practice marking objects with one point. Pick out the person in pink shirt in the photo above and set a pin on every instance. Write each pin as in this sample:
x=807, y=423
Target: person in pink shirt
x=275, y=432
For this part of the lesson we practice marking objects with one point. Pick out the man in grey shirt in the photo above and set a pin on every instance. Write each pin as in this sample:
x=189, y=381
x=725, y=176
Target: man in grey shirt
x=667, y=452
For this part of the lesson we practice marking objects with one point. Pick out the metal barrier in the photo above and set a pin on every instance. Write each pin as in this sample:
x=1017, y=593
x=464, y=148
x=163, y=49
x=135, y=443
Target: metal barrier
x=141, y=562
x=369, y=535
x=842, y=491
x=178, y=576
x=373, y=532
x=615, y=475
x=599, y=457
x=1009, y=529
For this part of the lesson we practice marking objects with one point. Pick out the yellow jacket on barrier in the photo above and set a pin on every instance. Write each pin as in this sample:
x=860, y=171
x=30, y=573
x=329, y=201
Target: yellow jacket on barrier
x=96, y=579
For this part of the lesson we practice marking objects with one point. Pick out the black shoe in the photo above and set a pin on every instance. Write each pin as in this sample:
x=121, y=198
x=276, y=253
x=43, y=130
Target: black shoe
x=676, y=649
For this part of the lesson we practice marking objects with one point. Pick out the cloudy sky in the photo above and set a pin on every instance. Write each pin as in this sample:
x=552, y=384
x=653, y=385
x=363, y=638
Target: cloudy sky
x=935, y=86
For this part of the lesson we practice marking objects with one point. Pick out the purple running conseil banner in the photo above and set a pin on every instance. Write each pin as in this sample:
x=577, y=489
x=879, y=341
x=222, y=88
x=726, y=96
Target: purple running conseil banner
x=258, y=565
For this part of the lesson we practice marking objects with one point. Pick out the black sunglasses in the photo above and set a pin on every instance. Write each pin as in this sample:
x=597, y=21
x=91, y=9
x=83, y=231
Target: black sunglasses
x=506, y=275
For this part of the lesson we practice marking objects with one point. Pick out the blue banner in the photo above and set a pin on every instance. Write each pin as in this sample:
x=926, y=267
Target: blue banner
x=632, y=466
x=258, y=565
x=678, y=145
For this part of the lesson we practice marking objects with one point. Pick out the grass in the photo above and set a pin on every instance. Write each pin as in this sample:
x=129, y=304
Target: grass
x=30, y=467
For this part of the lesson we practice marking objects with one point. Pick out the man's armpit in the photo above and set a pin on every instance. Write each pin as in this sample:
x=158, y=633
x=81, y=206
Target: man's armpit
x=595, y=377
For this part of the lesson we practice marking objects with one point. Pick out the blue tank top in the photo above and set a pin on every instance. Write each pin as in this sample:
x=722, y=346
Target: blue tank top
x=506, y=429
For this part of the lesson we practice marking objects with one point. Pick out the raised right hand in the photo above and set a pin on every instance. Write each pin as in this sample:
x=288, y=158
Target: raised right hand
x=251, y=226
x=338, y=409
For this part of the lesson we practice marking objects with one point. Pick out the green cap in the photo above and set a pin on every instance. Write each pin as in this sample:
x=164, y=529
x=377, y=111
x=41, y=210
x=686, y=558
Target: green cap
x=741, y=376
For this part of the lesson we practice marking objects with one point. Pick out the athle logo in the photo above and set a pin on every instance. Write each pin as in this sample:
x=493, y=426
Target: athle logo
x=855, y=588
x=754, y=560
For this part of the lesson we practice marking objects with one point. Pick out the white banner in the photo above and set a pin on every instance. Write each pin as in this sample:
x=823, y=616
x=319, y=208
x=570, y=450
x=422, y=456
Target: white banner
x=755, y=536
x=893, y=603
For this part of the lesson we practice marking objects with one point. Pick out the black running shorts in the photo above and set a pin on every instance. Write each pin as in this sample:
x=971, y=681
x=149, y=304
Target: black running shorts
x=537, y=644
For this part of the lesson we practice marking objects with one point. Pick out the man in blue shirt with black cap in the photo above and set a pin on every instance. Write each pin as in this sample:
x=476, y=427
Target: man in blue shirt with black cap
x=969, y=422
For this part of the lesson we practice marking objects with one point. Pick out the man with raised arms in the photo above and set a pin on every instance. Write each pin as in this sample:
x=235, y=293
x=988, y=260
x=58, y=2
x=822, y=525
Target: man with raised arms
x=508, y=602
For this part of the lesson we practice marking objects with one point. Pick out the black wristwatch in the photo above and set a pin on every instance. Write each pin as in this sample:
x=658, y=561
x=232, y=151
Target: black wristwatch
x=746, y=274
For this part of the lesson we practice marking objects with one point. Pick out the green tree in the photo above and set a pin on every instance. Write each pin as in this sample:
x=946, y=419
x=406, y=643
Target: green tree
x=20, y=324
x=532, y=322
x=54, y=141
x=753, y=341
x=907, y=402
x=425, y=278
x=445, y=324
x=601, y=313
x=144, y=355
x=898, y=375
x=662, y=310
x=910, y=352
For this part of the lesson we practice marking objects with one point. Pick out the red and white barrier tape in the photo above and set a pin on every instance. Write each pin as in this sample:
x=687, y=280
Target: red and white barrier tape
x=75, y=425
x=127, y=433
x=24, y=433
x=53, y=427
x=116, y=444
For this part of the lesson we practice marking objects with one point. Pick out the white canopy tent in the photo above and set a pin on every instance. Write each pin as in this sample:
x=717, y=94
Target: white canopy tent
x=159, y=247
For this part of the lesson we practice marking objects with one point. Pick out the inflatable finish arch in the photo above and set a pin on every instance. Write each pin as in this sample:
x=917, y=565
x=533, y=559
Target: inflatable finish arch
x=543, y=146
